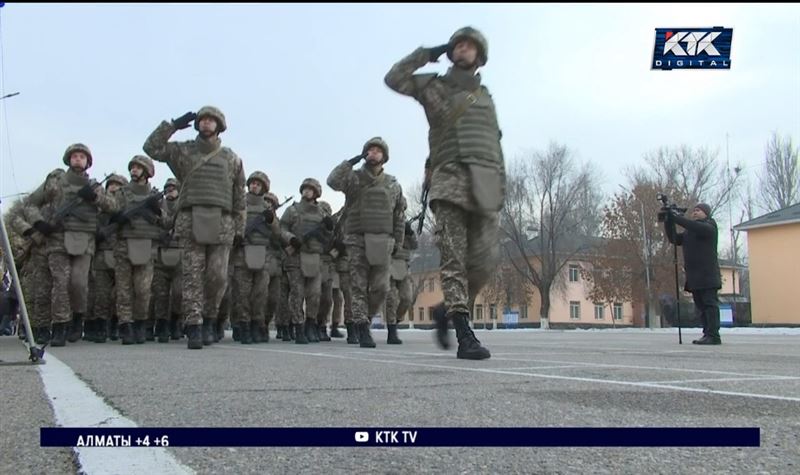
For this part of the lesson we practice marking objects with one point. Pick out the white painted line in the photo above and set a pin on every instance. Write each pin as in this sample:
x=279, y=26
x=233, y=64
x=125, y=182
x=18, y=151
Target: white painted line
x=76, y=405
x=726, y=380
x=521, y=368
x=535, y=375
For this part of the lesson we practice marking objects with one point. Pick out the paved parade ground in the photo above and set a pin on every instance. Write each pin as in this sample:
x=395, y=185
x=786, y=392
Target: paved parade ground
x=614, y=378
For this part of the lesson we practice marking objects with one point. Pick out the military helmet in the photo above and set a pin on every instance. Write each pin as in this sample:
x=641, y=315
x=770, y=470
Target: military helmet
x=260, y=176
x=78, y=147
x=144, y=162
x=272, y=198
x=326, y=207
x=471, y=33
x=172, y=182
x=313, y=184
x=211, y=111
x=377, y=141
x=118, y=179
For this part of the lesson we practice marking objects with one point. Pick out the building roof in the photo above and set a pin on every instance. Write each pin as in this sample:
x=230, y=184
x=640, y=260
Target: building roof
x=788, y=215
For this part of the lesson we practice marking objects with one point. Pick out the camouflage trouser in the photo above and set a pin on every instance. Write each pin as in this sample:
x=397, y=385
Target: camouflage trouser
x=301, y=289
x=205, y=279
x=273, y=297
x=70, y=291
x=343, y=300
x=326, y=294
x=399, y=300
x=227, y=310
x=134, y=285
x=369, y=285
x=468, y=245
x=103, y=290
x=250, y=299
x=36, y=287
x=166, y=291
x=284, y=316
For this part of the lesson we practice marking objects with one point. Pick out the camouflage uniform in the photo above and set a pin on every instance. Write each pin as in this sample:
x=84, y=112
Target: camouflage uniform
x=275, y=257
x=166, y=292
x=327, y=270
x=211, y=212
x=400, y=295
x=342, y=293
x=467, y=183
x=70, y=248
x=374, y=226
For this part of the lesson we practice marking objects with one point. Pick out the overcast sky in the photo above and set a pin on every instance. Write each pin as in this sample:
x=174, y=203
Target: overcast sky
x=302, y=85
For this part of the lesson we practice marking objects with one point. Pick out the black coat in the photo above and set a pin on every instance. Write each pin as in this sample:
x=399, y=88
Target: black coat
x=699, y=243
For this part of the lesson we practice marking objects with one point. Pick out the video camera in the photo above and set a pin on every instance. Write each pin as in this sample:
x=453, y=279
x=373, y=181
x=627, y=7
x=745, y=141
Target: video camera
x=666, y=207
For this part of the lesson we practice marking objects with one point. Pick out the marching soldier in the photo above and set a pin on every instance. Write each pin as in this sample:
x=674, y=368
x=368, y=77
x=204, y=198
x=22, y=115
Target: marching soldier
x=167, y=271
x=104, y=315
x=465, y=173
x=342, y=297
x=211, y=213
x=275, y=256
x=373, y=229
x=400, y=296
x=70, y=242
x=140, y=227
x=326, y=275
x=308, y=227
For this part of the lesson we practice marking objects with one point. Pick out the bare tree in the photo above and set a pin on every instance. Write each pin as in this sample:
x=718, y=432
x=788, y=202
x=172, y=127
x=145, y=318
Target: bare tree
x=779, y=180
x=552, y=196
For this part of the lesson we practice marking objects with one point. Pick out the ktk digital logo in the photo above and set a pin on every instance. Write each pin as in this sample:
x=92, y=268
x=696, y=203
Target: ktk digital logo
x=692, y=48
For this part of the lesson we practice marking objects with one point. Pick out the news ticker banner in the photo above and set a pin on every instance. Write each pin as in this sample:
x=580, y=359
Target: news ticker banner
x=401, y=437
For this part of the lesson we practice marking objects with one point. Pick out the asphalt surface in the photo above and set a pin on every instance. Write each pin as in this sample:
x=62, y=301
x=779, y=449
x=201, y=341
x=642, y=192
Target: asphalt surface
x=534, y=379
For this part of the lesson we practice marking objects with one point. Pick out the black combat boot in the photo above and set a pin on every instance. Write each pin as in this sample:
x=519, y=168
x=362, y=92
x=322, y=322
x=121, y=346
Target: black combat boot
x=162, y=330
x=76, y=329
x=139, y=331
x=323, y=336
x=257, y=331
x=208, y=331
x=708, y=340
x=59, y=334
x=42, y=335
x=292, y=329
x=100, y=330
x=263, y=331
x=113, y=329
x=219, y=327
x=310, y=328
x=245, y=337
x=364, y=336
x=235, y=334
x=285, y=333
x=194, y=334
x=469, y=348
x=126, y=334
x=88, y=330
x=175, y=324
x=441, y=320
x=392, y=339
x=352, y=337
x=149, y=333
x=279, y=335
x=299, y=334
x=335, y=333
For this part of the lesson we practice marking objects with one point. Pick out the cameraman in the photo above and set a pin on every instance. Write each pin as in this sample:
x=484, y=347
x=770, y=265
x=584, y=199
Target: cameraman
x=699, y=241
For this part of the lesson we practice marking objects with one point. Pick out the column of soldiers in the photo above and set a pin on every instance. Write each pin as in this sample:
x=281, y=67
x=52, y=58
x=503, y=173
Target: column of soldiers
x=211, y=247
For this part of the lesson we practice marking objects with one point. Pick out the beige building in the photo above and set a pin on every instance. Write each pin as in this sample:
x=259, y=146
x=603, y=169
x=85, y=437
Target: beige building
x=773, y=244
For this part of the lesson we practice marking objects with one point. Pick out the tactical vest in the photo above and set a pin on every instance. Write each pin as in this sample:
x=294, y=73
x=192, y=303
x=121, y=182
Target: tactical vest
x=475, y=136
x=209, y=185
x=83, y=217
x=261, y=233
x=309, y=219
x=168, y=210
x=371, y=209
x=139, y=227
x=108, y=243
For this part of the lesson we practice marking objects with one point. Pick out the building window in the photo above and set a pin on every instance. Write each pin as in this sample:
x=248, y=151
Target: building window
x=617, y=311
x=573, y=272
x=479, y=312
x=523, y=312
x=493, y=312
x=574, y=310
x=421, y=314
x=430, y=285
x=599, y=312
x=430, y=313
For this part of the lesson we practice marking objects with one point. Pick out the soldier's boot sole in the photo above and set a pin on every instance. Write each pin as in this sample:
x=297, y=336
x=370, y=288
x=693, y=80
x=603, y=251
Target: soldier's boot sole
x=469, y=347
x=335, y=333
x=323, y=335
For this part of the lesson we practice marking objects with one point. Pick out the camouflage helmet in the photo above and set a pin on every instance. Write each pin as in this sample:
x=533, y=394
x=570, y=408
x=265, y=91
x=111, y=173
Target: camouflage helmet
x=326, y=207
x=272, y=198
x=471, y=33
x=78, y=147
x=172, y=182
x=379, y=142
x=260, y=176
x=313, y=184
x=118, y=179
x=211, y=111
x=144, y=162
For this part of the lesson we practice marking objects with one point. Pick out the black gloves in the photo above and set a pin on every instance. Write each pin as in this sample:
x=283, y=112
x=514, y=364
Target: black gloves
x=238, y=241
x=44, y=227
x=437, y=51
x=354, y=161
x=295, y=243
x=269, y=216
x=327, y=221
x=87, y=193
x=154, y=204
x=119, y=218
x=409, y=229
x=183, y=121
